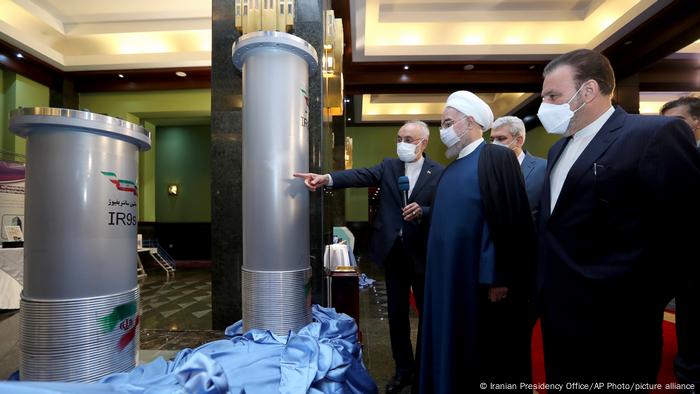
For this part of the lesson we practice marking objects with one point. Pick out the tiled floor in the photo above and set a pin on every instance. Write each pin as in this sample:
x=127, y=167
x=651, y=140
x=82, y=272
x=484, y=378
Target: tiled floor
x=176, y=314
x=179, y=302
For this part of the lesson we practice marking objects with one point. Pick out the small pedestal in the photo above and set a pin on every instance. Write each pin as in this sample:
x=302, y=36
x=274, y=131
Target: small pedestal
x=345, y=292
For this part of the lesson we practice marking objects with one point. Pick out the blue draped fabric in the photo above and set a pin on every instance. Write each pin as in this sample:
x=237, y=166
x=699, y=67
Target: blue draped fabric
x=322, y=357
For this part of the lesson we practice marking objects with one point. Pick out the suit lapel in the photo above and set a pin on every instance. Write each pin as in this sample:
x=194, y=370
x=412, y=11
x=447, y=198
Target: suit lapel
x=399, y=169
x=598, y=145
x=546, y=193
x=425, y=174
x=528, y=166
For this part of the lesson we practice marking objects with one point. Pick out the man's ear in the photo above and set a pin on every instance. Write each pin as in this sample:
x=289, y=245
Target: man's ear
x=696, y=123
x=591, y=89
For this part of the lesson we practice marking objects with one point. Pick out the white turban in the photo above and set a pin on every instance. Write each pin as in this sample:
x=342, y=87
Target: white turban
x=471, y=105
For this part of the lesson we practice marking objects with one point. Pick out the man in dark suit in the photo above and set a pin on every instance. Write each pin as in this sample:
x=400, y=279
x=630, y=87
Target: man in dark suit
x=400, y=232
x=612, y=235
x=688, y=110
x=687, y=362
x=509, y=131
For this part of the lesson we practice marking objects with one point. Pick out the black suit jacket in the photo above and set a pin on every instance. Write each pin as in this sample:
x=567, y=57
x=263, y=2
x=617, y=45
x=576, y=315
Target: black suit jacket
x=622, y=212
x=510, y=221
x=534, y=170
x=389, y=219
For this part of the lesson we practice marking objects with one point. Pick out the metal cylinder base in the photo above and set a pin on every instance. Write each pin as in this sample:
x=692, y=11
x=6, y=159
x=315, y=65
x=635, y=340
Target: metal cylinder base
x=279, y=301
x=78, y=340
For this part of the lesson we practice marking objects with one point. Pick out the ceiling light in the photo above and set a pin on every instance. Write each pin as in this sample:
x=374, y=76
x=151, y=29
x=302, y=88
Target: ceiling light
x=120, y=75
x=347, y=100
x=469, y=67
x=181, y=74
x=349, y=119
x=405, y=67
x=532, y=67
x=20, y=56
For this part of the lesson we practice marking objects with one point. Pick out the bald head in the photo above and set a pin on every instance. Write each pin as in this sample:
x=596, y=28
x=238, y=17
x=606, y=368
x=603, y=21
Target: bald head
x=416, y=133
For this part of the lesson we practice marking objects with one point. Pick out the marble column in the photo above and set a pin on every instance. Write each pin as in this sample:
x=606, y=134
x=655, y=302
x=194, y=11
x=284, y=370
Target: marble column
x=308, y=25
x=627, y=94
x=337, y=203
x=63, y=96
x=226, y=168
x=226, y=158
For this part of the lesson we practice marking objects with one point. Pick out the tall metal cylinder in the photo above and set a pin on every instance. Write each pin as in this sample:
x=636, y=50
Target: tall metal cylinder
x=276, y=273
x=78, y=312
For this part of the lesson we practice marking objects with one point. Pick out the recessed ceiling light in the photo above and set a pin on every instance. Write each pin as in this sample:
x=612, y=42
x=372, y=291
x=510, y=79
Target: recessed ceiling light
x=20, y=56
x=349, y=119
x=120, y=75
x=347, y=100
x=405, y=67
x=181, y=74
x=469, y=67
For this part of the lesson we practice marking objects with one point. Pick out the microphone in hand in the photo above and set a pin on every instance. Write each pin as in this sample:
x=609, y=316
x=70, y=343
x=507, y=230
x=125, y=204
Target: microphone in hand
x=403, y=187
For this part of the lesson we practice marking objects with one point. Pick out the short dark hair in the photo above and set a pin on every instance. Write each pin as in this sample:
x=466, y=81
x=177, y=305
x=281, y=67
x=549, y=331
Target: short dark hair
x=587, y=64
x=693, y=104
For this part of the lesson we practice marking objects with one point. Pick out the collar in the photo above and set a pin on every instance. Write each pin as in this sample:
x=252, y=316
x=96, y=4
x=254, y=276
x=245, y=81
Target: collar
x=417, y=163
x=593, y=128
x=470, y=148
x=521, y=157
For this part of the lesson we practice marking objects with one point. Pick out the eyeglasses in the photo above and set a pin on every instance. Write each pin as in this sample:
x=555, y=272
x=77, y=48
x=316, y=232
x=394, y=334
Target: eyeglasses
x=449, y=122
x=408, y=140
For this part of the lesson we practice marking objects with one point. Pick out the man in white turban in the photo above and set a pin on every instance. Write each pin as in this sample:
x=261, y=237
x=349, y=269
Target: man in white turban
x=479, y=273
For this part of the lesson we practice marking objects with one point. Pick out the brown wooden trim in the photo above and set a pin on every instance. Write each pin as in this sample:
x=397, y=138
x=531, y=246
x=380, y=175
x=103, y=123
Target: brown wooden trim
x=30, y=66
x=669, y=30
x=671, y=75
x=102, y=81
x=139, y=80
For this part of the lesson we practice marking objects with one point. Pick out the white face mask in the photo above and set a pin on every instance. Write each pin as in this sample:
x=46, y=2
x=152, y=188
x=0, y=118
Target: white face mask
x=503, y=144
x=556, y=117
x=406, y=151
x=448, y=135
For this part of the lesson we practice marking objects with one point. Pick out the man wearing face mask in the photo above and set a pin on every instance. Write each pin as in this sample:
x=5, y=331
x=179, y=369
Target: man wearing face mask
x=475, y=324
x=687, y=362
x=400, y=232
x=613, y=244
x=509, y=131
x=687, y=109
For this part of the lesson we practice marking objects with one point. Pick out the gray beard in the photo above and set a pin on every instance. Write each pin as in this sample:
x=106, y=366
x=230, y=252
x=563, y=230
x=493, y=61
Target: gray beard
x=454, y=150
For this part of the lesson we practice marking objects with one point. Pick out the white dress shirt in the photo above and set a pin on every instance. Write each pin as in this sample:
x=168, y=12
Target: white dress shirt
x=412, y=171
x=521, y=157
x=572, y=151
x=469, y=148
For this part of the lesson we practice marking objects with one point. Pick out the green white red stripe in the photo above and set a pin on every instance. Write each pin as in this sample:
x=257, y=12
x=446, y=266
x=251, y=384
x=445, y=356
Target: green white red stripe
x=124, y=185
